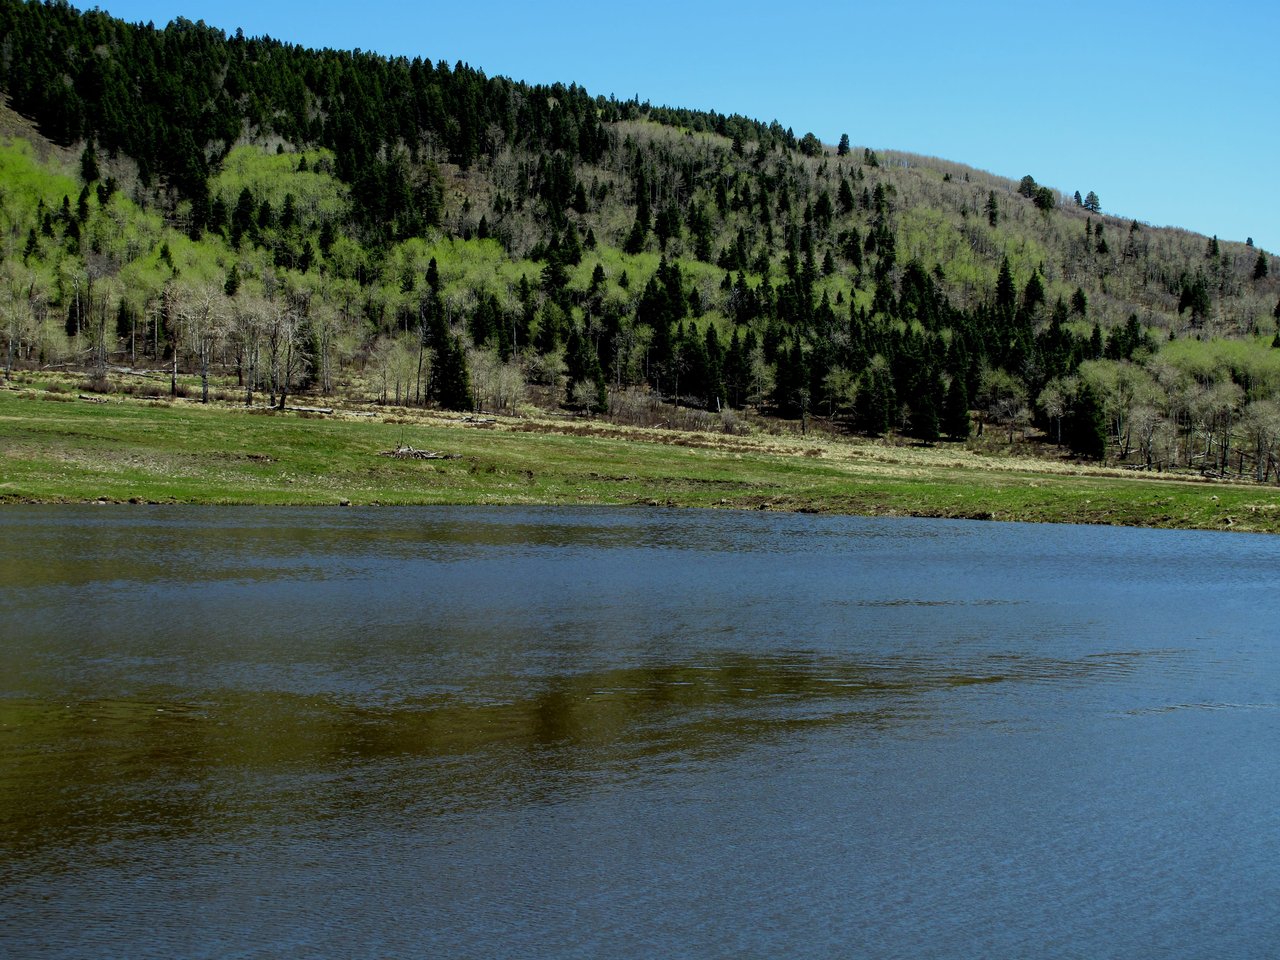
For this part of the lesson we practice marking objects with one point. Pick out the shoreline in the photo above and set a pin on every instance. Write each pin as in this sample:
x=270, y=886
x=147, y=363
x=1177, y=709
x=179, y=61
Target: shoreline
x=119, y=451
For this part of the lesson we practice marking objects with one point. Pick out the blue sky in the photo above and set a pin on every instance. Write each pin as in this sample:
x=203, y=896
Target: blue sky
x=1169, y=111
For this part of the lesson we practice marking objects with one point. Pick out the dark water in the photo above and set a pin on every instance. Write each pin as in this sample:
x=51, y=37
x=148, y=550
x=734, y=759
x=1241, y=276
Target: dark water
x=550, y=733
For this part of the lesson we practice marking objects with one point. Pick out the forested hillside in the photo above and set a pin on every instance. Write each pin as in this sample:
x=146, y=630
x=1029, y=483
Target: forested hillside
x=419, y=233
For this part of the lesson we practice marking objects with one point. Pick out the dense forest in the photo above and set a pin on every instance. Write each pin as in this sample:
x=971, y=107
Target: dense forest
x=338, y=222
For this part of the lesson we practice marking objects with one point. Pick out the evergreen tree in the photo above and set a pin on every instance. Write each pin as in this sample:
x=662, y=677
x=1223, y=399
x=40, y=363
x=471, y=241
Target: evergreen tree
x=844, y=197
x=1260, y=266
x=955, y=410
x=1079, y=302
x=1092, y=203
x=451, y=379
x=1085, y=427
x=1005, y=293
x=924, y=415
x=89, y=164
x=842, y=148
x=875, y=402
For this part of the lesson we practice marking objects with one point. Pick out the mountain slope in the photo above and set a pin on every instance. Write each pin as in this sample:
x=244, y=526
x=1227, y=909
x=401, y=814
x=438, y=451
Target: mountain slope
x=426, y=233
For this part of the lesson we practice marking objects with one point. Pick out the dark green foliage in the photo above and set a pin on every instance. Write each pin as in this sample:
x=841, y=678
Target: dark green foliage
x=790, y=382
x=1004, y=288
x=875, y=407
x=1085, y=428
x=993, y=209
x=1094, y=349
x=1195, y=297
x=842, y=148
x=1260, y=267
x=89, y=164
x=451, y=381
x=955, y=410
x=1033, y=294
x=1079, y=302
x=1092, y=203
x=1126, y=340
x=924, y=411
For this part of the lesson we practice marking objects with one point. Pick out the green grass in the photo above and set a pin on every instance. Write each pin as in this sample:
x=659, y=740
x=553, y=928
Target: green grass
x=56, y=448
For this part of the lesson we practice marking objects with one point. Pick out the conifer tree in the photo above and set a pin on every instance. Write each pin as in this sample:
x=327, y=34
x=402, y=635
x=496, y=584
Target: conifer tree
x=955, y=410
x=1086, y=429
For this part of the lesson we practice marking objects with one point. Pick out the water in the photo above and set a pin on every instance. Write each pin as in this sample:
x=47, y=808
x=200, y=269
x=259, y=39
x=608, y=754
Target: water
x=578, y=733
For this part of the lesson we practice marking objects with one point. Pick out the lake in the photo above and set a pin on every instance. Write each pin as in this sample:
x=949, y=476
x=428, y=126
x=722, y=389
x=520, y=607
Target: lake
x=251, y=732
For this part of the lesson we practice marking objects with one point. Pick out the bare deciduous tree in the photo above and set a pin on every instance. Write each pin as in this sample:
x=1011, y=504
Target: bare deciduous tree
x=202, y=318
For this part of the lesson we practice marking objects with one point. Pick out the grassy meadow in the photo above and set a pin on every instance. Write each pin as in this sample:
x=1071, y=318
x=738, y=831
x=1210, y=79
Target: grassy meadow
x=56, y=447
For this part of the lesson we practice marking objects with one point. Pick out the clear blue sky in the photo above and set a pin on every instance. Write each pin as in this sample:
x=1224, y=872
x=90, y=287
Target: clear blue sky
x=1169, y=110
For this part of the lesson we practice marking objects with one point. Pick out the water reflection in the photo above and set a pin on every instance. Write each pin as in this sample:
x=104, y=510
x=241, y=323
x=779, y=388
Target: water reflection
x=902, y=731
x=91, y=768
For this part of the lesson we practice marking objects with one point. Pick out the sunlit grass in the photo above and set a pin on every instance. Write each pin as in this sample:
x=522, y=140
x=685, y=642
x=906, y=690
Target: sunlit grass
x=59, y=448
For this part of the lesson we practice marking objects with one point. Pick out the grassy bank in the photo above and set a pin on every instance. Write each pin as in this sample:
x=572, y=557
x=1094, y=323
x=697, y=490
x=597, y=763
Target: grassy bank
x=56, y=447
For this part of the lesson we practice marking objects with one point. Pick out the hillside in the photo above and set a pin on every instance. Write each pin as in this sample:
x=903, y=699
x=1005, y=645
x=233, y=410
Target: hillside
x=277, y=219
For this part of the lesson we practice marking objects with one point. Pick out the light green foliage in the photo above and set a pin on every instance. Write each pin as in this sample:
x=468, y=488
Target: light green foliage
x=1252, y=362
x=318, y=195
x=25, y=181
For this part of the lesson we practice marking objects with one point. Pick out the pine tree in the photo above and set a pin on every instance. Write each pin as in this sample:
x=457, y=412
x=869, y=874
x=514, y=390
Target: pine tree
x=1086, y=428
x=1005, y=293
x=955, y=410
x=1260, y=267
x=842, y=148
x=451, y=378
x=924, y=416
x=1092, y=203
x=993, y=210
x=89, y=164
x=1079, y=302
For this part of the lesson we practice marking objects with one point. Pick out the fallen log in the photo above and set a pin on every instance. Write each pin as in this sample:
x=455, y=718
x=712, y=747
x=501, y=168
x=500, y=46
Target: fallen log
x=409, y=453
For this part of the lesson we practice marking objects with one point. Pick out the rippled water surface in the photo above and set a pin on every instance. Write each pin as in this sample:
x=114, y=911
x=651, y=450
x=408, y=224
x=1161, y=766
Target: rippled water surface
x=575, y=733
